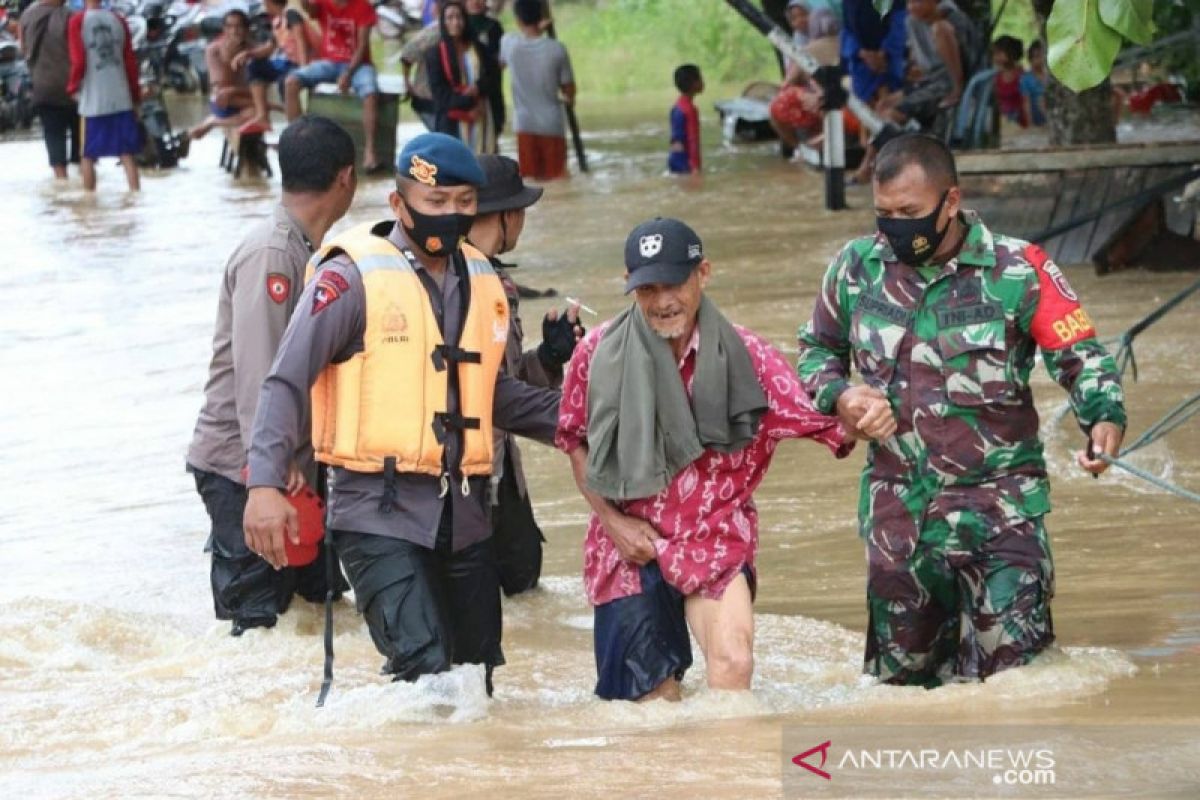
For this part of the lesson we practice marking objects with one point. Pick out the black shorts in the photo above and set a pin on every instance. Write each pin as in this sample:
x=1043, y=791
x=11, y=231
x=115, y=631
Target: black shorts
x=426, y=609
x=641, y=640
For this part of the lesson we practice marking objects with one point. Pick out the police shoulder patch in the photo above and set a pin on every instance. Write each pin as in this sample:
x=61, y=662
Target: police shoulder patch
x=330, y=286
x=279, y=286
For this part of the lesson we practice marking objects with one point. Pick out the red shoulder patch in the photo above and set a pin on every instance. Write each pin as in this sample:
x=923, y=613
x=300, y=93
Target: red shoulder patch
x=1059, y=320
x=279, y=286
x=330, y=286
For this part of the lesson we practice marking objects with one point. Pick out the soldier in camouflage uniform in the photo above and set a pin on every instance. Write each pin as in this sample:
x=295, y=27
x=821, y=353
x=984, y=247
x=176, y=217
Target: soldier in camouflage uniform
x=943, y=320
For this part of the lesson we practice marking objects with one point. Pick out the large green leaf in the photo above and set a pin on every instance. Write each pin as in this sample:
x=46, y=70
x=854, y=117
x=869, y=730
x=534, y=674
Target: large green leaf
x=1080, y=47
x=1133, y=19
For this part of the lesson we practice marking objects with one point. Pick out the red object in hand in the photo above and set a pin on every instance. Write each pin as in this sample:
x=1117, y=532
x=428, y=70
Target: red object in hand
x=311, y=509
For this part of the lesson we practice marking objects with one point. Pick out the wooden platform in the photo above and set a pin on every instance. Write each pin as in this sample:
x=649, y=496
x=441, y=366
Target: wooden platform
x=1025, y=192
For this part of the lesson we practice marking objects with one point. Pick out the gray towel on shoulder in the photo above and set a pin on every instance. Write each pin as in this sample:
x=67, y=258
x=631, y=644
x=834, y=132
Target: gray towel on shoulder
x=642, y=428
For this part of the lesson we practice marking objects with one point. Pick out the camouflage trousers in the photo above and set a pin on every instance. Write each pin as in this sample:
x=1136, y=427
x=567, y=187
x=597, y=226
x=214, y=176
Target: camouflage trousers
x=972, y=598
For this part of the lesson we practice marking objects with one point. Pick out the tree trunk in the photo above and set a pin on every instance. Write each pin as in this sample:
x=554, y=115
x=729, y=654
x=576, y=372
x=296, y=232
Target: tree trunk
x=1084, y=118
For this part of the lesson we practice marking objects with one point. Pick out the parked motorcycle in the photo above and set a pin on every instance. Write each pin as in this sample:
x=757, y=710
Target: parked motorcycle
x=16, y=86
x=398, y=19
x=167, y=41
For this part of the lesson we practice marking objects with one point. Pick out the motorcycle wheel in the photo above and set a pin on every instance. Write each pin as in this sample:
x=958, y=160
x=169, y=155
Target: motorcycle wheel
x=182, y=80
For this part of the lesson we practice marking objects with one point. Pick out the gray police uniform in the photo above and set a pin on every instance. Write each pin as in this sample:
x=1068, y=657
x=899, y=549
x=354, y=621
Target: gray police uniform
x=518, y=539
x=262, y=282
x=420, y=559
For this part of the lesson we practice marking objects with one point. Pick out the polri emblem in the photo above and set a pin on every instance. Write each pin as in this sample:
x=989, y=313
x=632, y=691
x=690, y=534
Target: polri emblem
x=423, y=171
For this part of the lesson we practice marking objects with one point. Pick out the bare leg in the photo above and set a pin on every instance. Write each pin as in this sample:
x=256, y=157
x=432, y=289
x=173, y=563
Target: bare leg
x=87, y=168
x=199, y=131
x=725, y=630
x=369, y=115
x=862, y=175
x=788, y=142
x=60, y=171
x=667, y=690
x=258, y=91
x=291, y=97
x=131, y=172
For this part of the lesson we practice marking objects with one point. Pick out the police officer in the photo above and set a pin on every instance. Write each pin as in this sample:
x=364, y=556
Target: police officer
x=502, y=203
x=402, y=329
x=943, y=319
x=262, y=283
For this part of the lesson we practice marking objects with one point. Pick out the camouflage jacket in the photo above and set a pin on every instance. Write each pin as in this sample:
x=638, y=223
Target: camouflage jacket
x=953, y=348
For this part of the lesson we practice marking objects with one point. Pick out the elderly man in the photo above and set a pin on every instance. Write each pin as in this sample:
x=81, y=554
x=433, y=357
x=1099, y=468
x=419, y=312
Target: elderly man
x=502, y=203
x=402, y=329
x=670, y=416
x=943, y=319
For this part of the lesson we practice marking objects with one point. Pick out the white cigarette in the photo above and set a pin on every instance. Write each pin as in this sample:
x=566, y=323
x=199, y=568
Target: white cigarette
x=573, y=301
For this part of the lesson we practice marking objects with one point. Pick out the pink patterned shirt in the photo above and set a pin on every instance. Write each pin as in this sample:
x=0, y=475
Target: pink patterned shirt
x=706, y=516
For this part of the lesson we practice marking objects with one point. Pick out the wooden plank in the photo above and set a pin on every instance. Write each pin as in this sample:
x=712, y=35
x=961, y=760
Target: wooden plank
x=1074, y=185
x=1062, y=158
x=1126, y=183
x=1015, y=205
x=1096, y=192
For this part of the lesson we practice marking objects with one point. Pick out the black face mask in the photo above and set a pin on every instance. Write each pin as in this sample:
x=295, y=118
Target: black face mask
x=437, y=234
x=914, y=240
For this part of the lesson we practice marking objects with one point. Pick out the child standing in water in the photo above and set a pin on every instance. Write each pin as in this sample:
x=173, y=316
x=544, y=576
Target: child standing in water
x=684, y=157
x=1033, y=85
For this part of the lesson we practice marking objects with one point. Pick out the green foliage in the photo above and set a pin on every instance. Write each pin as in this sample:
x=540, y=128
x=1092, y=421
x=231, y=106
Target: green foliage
x=1130, y=18
x=620, y=46
x=1173, y=16
x=1080, y=48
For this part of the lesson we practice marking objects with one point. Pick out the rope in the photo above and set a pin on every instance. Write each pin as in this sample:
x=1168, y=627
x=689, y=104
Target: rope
x=1150, y=478
x=1124, y=354
x=1172, y=420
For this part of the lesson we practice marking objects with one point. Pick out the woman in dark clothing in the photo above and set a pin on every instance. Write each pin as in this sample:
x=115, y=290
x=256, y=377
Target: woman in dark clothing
x=464, y=80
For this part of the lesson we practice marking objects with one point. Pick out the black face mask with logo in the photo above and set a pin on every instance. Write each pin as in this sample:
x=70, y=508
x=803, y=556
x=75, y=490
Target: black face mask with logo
x=915, y=240
x=437, y=235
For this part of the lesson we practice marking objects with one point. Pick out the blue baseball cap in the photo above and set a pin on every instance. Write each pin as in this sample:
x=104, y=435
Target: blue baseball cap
x=436, y=159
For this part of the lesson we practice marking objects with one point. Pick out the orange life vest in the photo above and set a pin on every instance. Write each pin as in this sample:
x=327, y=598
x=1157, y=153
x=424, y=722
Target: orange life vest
x=388, y=402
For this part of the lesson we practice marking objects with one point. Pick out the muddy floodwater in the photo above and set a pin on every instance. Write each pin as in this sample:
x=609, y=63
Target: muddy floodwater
x=116, y=681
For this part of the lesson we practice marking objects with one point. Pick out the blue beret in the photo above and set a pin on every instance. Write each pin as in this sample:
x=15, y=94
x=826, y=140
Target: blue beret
x=436, y=159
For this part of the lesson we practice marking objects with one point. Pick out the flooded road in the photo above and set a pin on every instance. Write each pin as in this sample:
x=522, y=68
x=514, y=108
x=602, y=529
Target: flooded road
x=116, y=681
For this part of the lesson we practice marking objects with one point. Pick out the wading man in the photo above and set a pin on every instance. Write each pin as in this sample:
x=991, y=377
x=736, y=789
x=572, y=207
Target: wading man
x=402, y=328
x=261, y=286
x=670, y=416
x=944, y=319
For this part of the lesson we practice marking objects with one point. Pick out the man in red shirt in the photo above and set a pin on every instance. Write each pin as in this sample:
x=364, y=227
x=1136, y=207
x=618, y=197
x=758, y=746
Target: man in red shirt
x=670, y=416
x=344, y=58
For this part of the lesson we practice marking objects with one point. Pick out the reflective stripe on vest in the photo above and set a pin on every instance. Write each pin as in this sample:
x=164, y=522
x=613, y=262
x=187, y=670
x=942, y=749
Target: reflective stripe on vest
x=389, y=401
